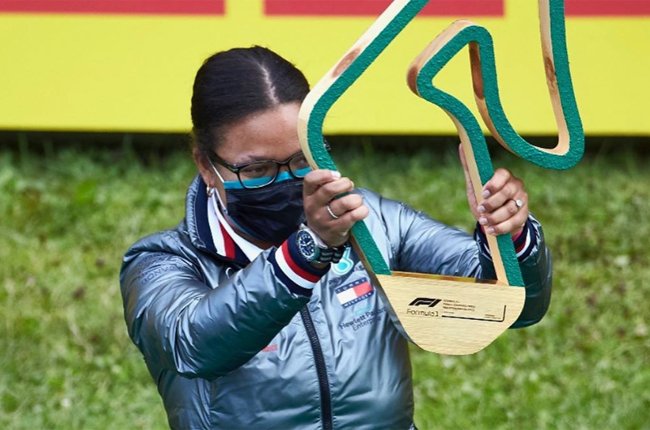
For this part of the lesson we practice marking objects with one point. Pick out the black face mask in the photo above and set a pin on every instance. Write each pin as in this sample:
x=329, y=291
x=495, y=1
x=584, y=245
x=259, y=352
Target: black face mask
x=269, y=214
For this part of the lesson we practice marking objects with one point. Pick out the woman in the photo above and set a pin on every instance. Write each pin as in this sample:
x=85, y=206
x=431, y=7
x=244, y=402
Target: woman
x=238, y=311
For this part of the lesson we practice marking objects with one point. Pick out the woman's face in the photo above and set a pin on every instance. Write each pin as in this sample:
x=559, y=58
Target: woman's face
x=266, y=135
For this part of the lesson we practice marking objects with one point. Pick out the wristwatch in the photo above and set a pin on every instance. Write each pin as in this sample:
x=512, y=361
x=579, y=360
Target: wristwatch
x=314, y=250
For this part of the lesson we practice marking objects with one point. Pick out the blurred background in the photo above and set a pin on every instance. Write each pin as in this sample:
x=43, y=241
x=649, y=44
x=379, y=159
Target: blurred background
x=94, y=154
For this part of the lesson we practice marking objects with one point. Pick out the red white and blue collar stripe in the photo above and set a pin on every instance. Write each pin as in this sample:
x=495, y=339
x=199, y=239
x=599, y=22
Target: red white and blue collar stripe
x=226, y=242
x=290, y=267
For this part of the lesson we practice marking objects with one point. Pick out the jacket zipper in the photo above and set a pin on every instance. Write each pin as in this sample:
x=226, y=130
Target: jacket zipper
x=323, y=381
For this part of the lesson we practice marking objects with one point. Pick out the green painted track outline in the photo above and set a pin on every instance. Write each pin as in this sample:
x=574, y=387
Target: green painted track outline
x=361, y=61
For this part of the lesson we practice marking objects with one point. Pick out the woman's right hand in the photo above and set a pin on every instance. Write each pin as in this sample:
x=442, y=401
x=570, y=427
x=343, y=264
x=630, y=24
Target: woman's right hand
x=320, y=189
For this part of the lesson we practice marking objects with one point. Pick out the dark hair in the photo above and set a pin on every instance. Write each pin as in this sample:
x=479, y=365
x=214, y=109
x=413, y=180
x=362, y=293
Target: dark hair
x=233, y=84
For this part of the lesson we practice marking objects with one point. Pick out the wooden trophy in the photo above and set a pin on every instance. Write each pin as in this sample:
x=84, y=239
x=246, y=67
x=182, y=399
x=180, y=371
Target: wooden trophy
x=451, y=315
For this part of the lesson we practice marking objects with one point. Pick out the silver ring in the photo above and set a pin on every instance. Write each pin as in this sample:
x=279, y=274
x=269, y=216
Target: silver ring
x=329, y=209
x=519, y=203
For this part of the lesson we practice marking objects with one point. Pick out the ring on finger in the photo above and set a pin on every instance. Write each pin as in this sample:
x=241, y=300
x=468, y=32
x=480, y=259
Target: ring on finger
x=519, y=203
x=329, y=210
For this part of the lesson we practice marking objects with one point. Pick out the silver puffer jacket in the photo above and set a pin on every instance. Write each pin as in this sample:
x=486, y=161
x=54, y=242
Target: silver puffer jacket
x=233, y=344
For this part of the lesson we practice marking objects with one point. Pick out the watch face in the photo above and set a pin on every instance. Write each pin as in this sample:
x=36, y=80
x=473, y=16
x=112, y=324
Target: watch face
x=306, y=245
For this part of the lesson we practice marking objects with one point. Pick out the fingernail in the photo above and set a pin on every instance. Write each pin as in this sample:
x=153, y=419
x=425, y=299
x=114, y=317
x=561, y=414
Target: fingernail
x=482, y=221
x=352, y=184
x=336, y=175
x=481, y=209
x=490, y=230
x=486, y=194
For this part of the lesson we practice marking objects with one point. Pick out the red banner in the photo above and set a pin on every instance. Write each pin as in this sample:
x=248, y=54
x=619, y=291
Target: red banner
x=608, y=7
x=376, y=7
x=163, y=7
x=452, y=8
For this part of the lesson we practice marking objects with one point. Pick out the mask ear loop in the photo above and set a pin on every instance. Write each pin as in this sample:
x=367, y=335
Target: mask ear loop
x=212, y=191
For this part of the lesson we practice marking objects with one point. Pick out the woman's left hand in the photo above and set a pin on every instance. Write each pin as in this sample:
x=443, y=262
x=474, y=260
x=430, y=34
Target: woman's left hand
x=498, y=212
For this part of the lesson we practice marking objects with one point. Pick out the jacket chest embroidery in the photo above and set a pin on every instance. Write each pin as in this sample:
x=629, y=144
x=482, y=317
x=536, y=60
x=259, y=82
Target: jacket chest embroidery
x=354, y=292
x=345, y=264
x=368, y=317
x=271, y=348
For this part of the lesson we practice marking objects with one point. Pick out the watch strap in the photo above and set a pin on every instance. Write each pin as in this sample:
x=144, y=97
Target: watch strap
x=331, y=255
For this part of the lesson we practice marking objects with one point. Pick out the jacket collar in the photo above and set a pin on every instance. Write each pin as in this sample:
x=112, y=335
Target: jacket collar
x=211, y=233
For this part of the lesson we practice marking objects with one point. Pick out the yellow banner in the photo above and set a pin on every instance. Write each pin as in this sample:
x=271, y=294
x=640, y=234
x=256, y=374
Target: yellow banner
x=134, y=72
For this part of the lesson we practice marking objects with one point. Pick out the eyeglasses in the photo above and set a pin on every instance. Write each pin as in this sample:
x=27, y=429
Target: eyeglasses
x=261, y=173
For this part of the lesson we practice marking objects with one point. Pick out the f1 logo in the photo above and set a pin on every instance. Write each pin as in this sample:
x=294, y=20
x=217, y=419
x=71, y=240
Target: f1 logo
x=424, y=301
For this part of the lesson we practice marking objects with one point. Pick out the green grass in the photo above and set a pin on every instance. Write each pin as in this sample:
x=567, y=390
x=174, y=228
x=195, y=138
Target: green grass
x=66, y=361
